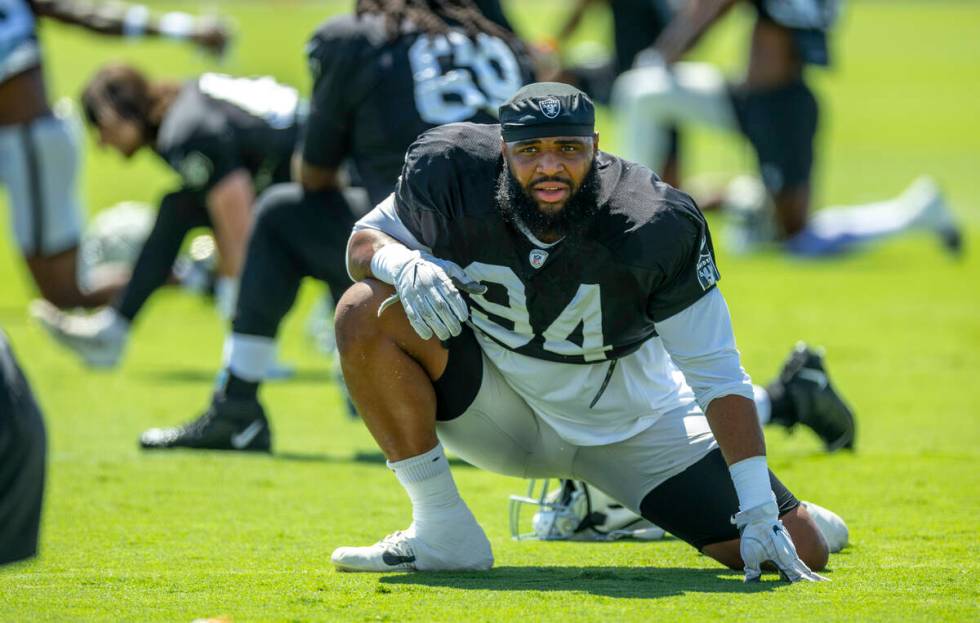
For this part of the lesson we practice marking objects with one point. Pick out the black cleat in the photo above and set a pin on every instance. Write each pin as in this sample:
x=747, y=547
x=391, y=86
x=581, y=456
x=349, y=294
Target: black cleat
x=226, y=425
x=805, y=386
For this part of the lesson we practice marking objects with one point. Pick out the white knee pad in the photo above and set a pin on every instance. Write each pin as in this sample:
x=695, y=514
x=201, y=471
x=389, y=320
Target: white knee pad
x=649, y=100
x=39, y=164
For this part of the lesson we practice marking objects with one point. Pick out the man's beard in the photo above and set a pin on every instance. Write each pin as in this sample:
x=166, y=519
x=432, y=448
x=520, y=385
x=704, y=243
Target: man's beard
x=520, y=209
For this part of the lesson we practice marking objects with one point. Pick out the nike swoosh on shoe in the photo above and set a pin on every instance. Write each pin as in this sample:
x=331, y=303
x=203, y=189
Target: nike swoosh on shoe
x=242, y=439
x=392, y=559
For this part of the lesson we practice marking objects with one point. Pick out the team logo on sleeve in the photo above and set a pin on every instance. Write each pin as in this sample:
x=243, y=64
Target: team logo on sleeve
x=550, y=107
x=537, y=257
x=707, y=273
x=196, y=169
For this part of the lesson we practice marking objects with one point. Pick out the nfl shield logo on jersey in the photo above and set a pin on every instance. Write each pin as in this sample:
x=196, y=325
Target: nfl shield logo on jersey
x=537, y=257
x=707, y=273
x=550, y=106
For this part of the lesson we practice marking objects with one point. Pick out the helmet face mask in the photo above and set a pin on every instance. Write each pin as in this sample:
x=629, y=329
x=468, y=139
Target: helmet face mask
x=576, y=511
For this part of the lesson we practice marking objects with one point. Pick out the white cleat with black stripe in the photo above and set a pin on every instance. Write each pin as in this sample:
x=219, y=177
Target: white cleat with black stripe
x=460, y=548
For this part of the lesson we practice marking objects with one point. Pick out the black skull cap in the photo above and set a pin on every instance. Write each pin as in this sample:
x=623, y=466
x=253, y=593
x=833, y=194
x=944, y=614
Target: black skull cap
x=545, y=109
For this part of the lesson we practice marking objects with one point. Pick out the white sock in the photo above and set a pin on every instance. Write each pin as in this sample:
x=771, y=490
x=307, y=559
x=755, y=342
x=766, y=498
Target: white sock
x=226, y=296
x=429, y=485
x=249, y=357
x=763, y=405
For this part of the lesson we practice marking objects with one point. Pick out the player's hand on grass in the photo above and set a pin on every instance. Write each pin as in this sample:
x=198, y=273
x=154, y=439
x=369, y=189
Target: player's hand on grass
x=429, y=290
x=764, y=538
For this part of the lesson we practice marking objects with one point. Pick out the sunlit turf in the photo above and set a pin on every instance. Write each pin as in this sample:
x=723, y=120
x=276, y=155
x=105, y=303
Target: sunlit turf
x=130, y=536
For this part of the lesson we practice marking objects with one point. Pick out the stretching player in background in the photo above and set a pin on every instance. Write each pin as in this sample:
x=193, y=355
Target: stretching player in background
x=380, y=78
x=636, y=26
x=228, y=138
x=39, y=151
x=776, y=111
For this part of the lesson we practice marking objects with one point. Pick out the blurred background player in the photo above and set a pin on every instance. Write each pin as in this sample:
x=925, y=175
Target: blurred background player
x=774, y=108
x=636, y=26
x=228, y=138
x=380, y=78
x=38, y=150
x=23, y=444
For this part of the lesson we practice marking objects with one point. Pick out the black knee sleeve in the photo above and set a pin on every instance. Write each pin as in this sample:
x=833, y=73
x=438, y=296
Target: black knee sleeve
x=780, y=124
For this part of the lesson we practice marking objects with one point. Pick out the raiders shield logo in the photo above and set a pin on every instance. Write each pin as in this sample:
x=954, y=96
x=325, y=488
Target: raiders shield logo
x=537, y=258
x=707, y=273
x=550, y=106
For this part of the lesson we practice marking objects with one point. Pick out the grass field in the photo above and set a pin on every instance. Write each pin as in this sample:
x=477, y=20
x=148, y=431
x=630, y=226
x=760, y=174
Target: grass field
x=129, y=536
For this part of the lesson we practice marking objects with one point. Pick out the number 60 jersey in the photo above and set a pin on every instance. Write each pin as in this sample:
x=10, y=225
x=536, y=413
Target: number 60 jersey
x=574, y=326
x=372, y=95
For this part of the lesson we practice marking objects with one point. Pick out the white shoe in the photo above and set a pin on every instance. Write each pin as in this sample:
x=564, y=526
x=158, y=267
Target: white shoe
x=465, y=549
x=933, y=212
x=99, y=339
x=831, y=526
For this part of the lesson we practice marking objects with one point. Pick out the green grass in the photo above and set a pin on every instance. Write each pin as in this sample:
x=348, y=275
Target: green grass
x=129, y=536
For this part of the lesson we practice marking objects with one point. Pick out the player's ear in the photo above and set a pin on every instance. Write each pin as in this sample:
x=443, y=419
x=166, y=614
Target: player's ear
x=503, y=148
x=595, y=143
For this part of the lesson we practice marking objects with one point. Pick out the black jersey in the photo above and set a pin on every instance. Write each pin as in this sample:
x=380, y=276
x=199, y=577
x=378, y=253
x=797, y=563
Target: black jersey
x=219, y=123
x=646, y=256
x=372, y=97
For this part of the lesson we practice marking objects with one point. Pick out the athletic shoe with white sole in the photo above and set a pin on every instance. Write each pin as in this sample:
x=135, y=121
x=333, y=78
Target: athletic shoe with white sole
x=227, y=425
x=99, y=339
x=463, y=547
x=804, y=385
x=933, y=213
x=831, y=526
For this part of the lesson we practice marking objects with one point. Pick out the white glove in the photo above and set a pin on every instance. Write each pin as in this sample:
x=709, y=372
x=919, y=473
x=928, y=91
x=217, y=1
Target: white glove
x=427, y=287
x=764, y=538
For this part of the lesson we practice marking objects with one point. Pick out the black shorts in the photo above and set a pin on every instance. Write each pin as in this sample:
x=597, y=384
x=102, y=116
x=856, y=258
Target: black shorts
x=697, y=504
x=22, y=462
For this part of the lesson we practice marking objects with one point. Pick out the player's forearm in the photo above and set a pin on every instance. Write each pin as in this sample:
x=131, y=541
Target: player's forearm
x=574, y=19
x=361, y=249
x=735, y=424
x=686, y=29
x=132, y=20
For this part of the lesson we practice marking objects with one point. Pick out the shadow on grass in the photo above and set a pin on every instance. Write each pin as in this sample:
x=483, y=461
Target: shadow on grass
x=358, y=457
x=197, y=375
x=620, y=582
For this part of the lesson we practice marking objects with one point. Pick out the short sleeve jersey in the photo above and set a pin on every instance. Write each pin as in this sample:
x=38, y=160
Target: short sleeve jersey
x=373, y=96
x=219, y=124
x=18, y=39
x=646, y=256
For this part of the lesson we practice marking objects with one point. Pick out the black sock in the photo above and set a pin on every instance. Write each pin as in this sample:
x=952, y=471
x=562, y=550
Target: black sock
x=783, y=410
x=237, y=388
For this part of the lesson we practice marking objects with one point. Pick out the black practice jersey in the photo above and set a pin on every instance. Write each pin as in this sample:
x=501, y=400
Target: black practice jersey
x=646, y=256
x=373, y=97
x=218, y=124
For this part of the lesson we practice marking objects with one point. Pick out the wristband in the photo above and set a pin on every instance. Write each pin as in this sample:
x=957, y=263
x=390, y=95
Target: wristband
x=752, y=485
x=176, y=25
x=388, y=261
x=135, y=21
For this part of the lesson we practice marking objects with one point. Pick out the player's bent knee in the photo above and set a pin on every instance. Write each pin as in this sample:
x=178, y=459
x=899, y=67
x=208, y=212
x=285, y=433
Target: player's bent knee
x=356, y=318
